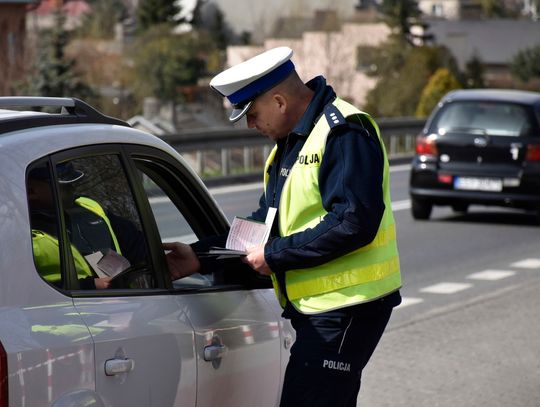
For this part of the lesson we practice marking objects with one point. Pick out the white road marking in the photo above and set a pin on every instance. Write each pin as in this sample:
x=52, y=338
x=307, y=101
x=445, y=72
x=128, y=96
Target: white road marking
x=527, y=264
x=491, y=275
x=406, y=301
x=401, y=205
x=399, y=168
x=236, y=188
x=446, y=288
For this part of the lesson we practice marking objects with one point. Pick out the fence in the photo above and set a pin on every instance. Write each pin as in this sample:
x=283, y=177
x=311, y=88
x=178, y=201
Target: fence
x=225, y=153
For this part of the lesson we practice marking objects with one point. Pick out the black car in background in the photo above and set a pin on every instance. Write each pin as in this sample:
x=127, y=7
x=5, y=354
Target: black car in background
x=479, y=147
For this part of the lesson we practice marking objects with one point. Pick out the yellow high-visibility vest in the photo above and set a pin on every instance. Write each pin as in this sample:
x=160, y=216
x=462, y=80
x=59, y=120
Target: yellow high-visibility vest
x=47, y=252
x=360, y=276
x=47, y=258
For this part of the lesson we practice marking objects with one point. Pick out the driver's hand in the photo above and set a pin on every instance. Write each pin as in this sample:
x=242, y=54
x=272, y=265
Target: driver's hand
x=102, y=282
x=182, y=260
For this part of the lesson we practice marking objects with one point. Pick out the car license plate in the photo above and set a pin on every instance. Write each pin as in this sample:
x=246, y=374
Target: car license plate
x=478, y=184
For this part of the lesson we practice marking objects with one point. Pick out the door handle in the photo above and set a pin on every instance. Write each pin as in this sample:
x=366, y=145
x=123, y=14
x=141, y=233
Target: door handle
x=117, y=366
x=214, y=352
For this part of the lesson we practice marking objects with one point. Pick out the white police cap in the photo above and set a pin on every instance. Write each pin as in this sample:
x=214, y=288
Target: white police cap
x=242, y=83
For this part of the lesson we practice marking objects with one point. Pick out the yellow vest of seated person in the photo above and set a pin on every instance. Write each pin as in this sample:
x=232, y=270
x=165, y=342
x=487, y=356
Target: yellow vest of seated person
x=47, y=251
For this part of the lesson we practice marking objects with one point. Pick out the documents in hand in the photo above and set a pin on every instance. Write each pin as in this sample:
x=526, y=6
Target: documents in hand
x=243, y=235
x=111, y=264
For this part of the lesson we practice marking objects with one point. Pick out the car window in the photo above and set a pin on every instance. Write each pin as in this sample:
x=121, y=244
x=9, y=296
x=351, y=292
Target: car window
x=494, y=119
x=44, y=224
x=172, y=217
x=94, y=216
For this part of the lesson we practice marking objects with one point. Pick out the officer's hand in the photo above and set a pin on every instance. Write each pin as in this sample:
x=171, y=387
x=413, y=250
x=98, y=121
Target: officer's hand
x=102, y=283
x=255, y=260
x=182, y=260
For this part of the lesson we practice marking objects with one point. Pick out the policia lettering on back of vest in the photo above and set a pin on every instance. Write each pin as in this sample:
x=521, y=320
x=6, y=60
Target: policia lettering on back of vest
x=333, y=255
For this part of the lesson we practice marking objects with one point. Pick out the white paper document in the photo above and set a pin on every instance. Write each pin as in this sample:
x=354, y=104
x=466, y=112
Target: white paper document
x=109, y=265
x=246, y=233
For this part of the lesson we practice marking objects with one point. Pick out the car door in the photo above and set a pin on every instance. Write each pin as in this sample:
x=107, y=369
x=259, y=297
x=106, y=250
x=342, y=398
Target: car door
x=238, y=340
x=143, y=340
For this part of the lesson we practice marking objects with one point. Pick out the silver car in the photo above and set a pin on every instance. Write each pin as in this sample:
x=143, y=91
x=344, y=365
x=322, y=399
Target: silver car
x=205, y=340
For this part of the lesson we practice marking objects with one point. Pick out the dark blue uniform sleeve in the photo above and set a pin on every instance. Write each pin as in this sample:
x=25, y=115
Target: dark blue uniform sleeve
x=260, y=214
x=350, y=182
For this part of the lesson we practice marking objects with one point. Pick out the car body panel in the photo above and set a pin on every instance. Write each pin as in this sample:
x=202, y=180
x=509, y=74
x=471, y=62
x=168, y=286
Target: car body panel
x=154, y=333
x=242, y=322
x=58, y=344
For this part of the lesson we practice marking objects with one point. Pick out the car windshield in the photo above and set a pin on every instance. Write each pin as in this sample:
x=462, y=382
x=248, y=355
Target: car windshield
x=489, y=118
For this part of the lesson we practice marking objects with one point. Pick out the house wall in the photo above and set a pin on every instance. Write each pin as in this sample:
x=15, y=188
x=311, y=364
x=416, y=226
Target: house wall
x=449, y=9
x=331, y=54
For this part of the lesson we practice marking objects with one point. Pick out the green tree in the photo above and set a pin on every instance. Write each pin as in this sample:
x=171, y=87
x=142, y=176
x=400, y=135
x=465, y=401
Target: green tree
x=526, y=64
x=496, y=8
x=474, y=73
x=209, y=18
x=165, y=63
x=399, y=14
x=157, y=12
x=402, y=72
x=100, y=22
x=440, y=83
x=55, y=73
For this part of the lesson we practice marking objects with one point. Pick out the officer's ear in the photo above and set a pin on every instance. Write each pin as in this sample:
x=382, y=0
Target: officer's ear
x=281, y=102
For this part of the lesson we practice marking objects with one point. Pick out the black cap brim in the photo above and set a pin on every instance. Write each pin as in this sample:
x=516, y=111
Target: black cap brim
x=239, y=112
x=70, y=177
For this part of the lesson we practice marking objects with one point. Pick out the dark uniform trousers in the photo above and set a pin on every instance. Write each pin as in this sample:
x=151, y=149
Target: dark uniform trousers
x=328, y=356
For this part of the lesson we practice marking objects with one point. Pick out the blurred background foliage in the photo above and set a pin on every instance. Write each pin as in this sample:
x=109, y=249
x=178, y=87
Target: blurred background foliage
x=166, y=55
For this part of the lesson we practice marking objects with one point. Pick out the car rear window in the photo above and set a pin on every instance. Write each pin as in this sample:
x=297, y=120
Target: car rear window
x=490, y=118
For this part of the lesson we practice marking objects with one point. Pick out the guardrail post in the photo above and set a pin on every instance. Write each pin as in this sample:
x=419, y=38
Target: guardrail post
x=247, y=159
x=225, y=161
x=199, y=161
x=393, y=145
x=266, y=151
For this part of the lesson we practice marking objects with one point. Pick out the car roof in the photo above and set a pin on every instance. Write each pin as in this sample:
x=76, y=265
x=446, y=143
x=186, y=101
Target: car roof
x=27, y=135
x=73, y=111
x=494, y=95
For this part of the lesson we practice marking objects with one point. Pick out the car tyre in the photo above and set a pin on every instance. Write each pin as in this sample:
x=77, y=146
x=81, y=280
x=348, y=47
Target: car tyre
x=537, y=217
x=460, y=207
x=421, y=209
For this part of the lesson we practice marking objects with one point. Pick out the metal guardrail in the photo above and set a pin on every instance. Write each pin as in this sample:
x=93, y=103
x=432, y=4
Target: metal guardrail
x=228, y=152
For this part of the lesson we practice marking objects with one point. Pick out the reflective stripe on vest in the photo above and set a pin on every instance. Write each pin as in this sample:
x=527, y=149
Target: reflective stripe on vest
x=360, y=276
x=47, y=258
x=96, y=208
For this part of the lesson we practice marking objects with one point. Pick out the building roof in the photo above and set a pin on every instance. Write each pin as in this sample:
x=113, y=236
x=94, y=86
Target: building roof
x=73, y=8
x=18, y=1
x=495, y=42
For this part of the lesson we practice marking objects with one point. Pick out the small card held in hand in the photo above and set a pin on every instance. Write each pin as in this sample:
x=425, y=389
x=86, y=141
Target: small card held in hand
x=108, y=265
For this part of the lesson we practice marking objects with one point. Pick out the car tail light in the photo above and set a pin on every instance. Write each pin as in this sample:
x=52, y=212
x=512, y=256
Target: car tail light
x=533, y=152
x=426, y=145
x=3, y=377
x=445, y=178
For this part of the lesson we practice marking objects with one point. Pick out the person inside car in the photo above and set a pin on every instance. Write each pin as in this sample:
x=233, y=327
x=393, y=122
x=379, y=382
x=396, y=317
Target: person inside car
x=92, y=231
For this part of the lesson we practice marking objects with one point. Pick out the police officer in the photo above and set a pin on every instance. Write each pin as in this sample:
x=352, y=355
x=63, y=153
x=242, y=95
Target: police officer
x=332, y=256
